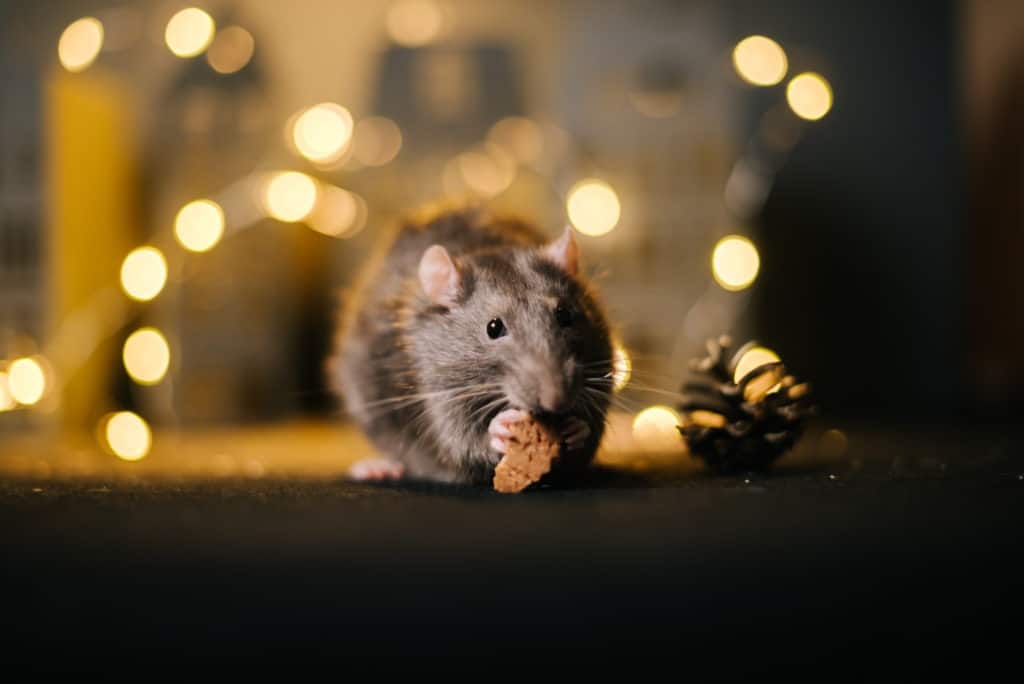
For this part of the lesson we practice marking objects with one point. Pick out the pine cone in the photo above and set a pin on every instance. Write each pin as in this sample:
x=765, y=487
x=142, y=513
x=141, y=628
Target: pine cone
x=745, y=425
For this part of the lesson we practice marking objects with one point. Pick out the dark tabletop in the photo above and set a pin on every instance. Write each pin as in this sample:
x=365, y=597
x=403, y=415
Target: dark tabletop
x=898, y=554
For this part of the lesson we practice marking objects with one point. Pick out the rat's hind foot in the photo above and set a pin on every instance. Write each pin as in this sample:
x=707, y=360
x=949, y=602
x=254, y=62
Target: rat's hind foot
x=376, y=469
x=499, y=428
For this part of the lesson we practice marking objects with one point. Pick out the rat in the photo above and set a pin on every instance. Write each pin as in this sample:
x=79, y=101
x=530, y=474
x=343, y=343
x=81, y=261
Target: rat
x=461, y=325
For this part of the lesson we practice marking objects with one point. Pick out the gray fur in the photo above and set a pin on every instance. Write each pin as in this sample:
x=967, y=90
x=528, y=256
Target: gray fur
x=395, y=343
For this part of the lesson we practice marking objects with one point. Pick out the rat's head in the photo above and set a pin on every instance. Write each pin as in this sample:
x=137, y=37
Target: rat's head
x=518, y=324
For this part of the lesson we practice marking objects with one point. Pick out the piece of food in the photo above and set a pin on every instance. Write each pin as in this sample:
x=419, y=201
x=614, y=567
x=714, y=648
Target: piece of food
x=529, y=456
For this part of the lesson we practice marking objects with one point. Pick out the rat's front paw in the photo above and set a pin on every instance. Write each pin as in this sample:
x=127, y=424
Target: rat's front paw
x=500, y=431
x=574, y=433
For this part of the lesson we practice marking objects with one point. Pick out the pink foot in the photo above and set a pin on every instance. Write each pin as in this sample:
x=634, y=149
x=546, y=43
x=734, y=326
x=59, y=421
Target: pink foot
x=575, y=433
x=499, y=428
x=376, y=469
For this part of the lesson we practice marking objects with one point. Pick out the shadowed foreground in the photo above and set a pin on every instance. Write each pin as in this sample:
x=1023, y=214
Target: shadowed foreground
x=905, y=551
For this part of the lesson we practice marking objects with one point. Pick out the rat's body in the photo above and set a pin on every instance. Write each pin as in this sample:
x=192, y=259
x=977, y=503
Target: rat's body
x=462, y=325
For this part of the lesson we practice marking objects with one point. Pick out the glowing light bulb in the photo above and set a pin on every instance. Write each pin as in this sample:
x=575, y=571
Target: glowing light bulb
x=376, y=141
x=322, y=132
x=290, y=196
x=146, y=356
x=655, y=429
x=26, y=380
x=80, y=44
x=413, y=23
x=189, y=32
x=128, y=436
x=755, y=357
x=622, y=368
x=593, y=207
x=231, y=50
x=144, y=273
x=199, y=225
x=760, y=61
x=7, y=402
x=735, y=262
x=809, y=96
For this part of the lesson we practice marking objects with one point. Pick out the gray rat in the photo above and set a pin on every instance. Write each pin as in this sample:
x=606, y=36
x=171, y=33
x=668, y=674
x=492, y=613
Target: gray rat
x=461, y=325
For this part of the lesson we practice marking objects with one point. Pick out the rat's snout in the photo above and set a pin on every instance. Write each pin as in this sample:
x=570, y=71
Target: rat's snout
x=551, y=396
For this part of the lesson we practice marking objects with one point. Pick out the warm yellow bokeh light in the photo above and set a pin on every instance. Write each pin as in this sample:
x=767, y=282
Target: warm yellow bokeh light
x=413, y=23
x=189, y=32
x=622, y=368
x=755, y=357
x=199, y=225
x=376, y=141
x=144, y=273
x=809, y=96
x=487, y=171
x=128, y=436
x=322, y=132
x=26, y=380
x=655, y=429
x=760, y=61
x=231, y=50
x=520, y=137
x=146, y=356
x=338, y=212
x=80, y=44
x=593, y=207
x=290, y=196
x=735, y=262
x=6, y=400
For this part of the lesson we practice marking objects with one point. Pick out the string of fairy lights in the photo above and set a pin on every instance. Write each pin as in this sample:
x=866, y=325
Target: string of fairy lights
x=327, y=135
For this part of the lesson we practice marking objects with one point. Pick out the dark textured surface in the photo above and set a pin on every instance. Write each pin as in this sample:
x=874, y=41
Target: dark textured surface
x=905, y=562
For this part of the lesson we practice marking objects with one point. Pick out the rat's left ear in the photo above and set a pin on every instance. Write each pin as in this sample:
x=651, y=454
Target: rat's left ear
x=564, y=252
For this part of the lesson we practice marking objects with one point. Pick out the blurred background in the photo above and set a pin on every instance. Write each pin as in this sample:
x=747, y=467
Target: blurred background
x=185, y=191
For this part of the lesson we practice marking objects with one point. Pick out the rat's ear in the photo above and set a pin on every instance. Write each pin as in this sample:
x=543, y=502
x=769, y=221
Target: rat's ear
x=564, y=252
x=438, y=276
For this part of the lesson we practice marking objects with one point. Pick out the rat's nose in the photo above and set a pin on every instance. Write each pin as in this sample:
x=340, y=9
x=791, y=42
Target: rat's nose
x=551, y=399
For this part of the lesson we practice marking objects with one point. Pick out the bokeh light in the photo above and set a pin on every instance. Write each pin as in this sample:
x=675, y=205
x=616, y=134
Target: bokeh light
x=290, y=196
x=231, y=50
x=6, y=400
x=80, y=44
x=622, y=368
x=809, y=96
x=760, y=61
x=146, y=356
x=26, y=380
x=128, y=436
x=376, y=141
x=755, y=357
x=322, y=132
x=833, y=444
x=593, y=207
x=189, y=32
x=735, y=262
x=655, y=429
x=338, y=213
x=520, y=137
x=144, y=273
x=487, y=170
x=199, y=225
x=413, y=23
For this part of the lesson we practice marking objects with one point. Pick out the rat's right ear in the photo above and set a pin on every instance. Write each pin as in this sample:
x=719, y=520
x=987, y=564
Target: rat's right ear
x=439, y=277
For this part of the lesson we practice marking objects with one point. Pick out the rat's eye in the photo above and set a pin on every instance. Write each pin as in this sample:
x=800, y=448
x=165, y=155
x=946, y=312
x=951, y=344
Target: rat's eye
x=495, y=328
x=563, y=315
